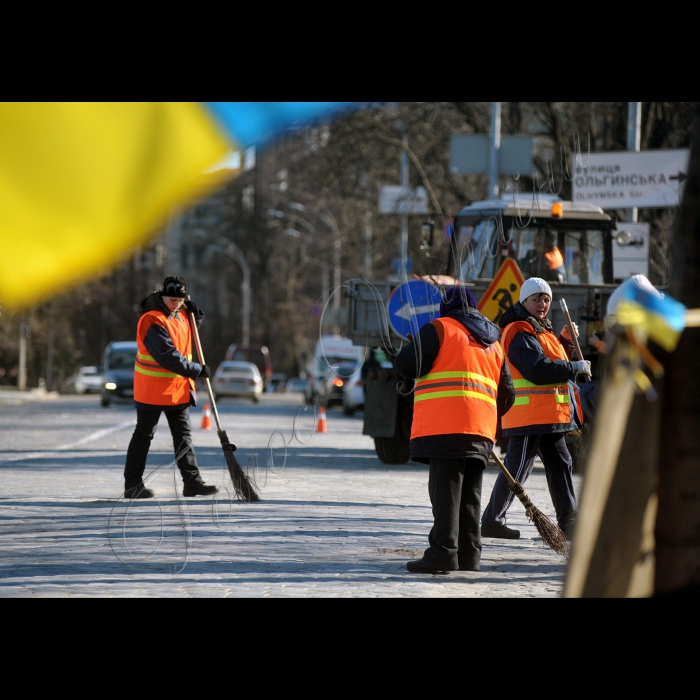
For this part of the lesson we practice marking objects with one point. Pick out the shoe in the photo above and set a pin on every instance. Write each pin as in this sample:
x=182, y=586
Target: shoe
x=199, y=488
x=138, y=492
x=421, y=566
x=502, y=531
x=568, y=530
x=469, y=567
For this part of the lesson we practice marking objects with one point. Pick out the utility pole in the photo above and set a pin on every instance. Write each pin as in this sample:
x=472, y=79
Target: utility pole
x=634, y=139
x=49, y=356
x=495, y=148
x=403, y=248
x=24, y=330
x=368, y=245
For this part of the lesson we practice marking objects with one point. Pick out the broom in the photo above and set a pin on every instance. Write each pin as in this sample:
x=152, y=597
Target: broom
x=553, y=537
x=241, y=483
x=570, y=326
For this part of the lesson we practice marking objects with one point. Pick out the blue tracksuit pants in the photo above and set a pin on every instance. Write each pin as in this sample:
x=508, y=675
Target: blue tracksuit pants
x=520, y=459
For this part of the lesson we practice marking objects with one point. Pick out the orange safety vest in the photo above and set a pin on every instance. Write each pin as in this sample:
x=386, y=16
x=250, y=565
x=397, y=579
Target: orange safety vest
x=554, y=258
x=458, y=395
x=154, y=384
x=537, y=404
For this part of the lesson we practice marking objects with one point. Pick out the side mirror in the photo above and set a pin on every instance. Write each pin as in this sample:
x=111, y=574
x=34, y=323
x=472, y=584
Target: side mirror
x=427, y=229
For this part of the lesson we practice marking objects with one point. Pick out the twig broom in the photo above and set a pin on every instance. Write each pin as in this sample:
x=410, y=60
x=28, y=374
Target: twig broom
x=553, y=537
x=245, y=491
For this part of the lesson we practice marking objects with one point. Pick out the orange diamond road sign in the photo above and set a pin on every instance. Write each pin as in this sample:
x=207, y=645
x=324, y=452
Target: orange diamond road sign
x=503, y=292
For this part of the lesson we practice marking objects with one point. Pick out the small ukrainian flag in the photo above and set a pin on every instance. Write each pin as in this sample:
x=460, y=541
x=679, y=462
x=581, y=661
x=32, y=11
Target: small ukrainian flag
x=662, y=318
x=83, y=183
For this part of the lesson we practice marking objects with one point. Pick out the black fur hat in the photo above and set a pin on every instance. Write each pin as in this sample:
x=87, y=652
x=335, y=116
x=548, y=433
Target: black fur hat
x=174, y=287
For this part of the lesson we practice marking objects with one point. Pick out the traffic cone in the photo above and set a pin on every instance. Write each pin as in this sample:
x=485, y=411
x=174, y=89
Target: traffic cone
x=321, y=426
x=206, y=418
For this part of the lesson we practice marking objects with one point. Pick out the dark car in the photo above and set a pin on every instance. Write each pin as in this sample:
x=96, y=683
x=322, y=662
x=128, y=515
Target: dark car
x=331, y=387
x=118, y=385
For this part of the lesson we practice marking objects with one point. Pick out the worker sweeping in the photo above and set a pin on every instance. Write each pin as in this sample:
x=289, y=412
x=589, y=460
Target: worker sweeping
x=164, y=376
x=462, y=386
x=546, y=408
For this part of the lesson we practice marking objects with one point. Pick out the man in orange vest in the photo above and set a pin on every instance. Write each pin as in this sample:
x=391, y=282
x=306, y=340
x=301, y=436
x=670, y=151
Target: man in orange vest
x=462, y=386
x=546, y=407
x=164, y=377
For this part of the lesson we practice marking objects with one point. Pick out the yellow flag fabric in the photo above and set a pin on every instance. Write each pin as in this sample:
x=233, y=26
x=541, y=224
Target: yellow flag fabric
x=82, y=184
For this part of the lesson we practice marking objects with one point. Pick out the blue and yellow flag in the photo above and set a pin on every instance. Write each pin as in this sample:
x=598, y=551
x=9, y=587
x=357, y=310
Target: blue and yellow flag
x=83, y=184
x=661, y=318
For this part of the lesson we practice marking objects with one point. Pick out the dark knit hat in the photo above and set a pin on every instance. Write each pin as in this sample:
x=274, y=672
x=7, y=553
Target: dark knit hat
x=174, y=287
x=456, y=299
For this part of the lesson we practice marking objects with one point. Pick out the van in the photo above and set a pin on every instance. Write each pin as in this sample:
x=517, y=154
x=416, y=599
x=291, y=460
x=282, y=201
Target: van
x=118, y=364
x=259, y=355
x=330, y=351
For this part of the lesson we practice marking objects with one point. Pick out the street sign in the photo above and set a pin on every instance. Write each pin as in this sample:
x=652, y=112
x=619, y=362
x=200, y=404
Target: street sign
x=470, y=153
x=626, y=179
x=411, y=305
x=395, y=199
x=503, y=291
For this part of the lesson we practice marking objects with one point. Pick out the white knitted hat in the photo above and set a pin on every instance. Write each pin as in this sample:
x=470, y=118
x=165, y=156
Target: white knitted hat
x=638, y=281
x=535, y=285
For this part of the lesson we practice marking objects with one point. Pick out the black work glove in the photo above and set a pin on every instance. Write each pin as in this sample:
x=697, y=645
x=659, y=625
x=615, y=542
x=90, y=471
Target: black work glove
x=205, y=373
x=192, y=306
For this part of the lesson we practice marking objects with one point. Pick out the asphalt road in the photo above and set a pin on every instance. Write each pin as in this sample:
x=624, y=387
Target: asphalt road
x=333, y=520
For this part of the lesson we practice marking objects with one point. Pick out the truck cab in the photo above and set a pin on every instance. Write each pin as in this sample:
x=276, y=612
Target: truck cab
x=570, y=244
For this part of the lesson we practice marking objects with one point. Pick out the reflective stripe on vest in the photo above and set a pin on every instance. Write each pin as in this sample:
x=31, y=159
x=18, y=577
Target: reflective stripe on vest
x=536, y=404
x=147, y=365
x=154, y=384
x=437, y=385
x=458, y=395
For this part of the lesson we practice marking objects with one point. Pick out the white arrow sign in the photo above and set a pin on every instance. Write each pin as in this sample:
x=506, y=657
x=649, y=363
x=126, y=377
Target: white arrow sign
x=408, y=310
x=625, y=179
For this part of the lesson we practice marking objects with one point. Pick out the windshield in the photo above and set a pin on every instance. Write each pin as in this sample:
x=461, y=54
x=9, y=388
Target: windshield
x=122, y=359
x=559, y=255
x=477, y=247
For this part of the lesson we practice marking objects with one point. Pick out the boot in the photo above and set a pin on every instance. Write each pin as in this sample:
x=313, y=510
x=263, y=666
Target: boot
x=502, y=531
x=421, y=566
x=139, y=491
x=198, y=488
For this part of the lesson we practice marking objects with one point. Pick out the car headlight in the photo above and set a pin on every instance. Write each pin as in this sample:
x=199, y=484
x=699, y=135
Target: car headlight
x=110, y=386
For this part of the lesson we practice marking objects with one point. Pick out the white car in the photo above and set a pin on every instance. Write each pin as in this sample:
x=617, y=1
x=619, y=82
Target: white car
x=237, y=379
x=88, y=380
x=353, y=392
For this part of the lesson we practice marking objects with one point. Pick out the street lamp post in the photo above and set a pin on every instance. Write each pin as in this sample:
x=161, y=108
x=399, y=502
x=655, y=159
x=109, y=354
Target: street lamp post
x=295, y=218
x=332, y=224
x=233, y=251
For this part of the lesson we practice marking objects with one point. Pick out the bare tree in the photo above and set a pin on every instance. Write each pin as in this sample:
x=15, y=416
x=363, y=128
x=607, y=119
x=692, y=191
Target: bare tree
x=678, y=520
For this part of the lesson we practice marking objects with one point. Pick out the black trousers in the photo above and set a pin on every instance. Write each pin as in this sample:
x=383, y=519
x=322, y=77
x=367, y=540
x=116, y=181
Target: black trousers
x=180, y=429
x=520, y=459
x=454, y=486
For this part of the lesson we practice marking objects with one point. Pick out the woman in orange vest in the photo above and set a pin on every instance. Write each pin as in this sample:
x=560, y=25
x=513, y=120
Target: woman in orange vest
x=164, y=376
x=546, y=407
x=462, y=386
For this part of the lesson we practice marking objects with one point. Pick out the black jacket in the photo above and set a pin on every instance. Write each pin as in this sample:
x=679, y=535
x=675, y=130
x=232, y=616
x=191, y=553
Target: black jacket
x=417, y=358
x=160, y=345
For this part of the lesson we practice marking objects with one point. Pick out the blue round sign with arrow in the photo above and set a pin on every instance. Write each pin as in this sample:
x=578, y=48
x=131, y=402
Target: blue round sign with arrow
x=411, y=305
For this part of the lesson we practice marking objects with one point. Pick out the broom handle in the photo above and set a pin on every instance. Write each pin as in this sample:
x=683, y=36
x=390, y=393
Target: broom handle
x=502, y=467
x=567, y=318
x=207, y=383
x=574, y=337
x=515, y=486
